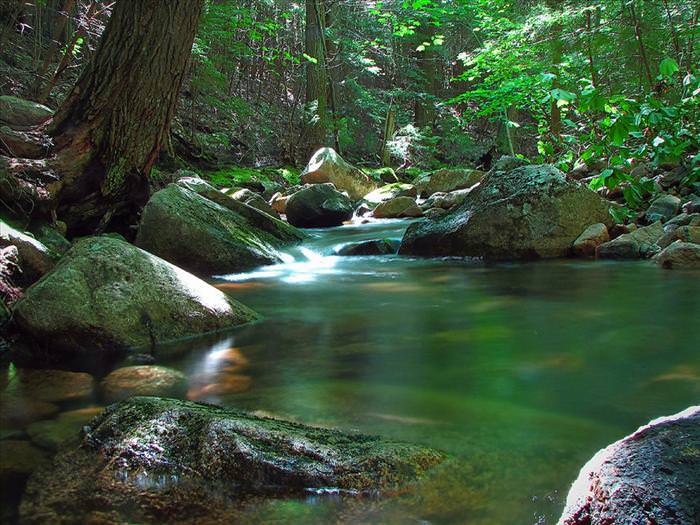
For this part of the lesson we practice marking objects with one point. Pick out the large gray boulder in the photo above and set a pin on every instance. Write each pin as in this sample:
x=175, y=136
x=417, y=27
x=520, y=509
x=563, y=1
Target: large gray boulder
x=106, y=296
x=319, y=206
x=206, y=232
x=35, y=258
x=651, y=476
x=148, y=458
x=528, y=212
x=327, y=166
x=447, y=180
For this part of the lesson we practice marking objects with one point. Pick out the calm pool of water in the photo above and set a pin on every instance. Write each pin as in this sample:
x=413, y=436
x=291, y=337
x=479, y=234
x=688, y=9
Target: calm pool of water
x=520, y=372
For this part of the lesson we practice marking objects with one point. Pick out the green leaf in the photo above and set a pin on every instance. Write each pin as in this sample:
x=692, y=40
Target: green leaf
x=668, y=67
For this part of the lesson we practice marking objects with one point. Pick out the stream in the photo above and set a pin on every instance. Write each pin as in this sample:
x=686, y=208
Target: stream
x=520, y=372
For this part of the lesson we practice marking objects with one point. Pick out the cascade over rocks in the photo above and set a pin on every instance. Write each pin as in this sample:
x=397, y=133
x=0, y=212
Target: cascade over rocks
x=106, y=296
x=327, y=166
x=650, y=476
x=154, y=459
x=195, y=226
x=528, y=212
x=319, y=206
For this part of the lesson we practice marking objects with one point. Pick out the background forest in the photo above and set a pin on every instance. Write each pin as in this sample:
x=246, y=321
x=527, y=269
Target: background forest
x=597, y=88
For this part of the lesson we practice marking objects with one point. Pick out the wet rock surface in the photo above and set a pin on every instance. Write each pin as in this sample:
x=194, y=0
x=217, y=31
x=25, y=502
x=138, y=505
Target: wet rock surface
x=651, y=476
x=155, y=459
x=327, y=166
x=106, y=296
x=319, y=206
x=200, y=229
x=144, y=380
x=529, y=212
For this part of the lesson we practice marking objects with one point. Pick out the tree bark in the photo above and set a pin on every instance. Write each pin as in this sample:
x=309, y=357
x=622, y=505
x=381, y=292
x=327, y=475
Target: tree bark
x=110, y=129
x=316, y=78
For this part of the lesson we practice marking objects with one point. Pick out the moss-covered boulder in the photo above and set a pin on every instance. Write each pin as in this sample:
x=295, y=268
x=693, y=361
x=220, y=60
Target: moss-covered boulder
x=327, y=166
x=388, y=192
x=650, y=476
x=319, y=206
x=161, y=460
x=529, y=212
x=447, y=180
x=398, y=208
x=106, y=296
x=35, y=258
x=21, y=113
x=206, y=232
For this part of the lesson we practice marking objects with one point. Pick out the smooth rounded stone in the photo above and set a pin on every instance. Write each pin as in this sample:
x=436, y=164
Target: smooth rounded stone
x=590, y=239
x=20, y=411
x=327, y=166
x=692, y=204
x=35, y=258
x=152, y=457
x=679, y=255
x=650, y=476
x=448, y=180
x=198, y=228
x=446, y=201
x=379, y=247
x=398, y=208
x=145, y=380
x=638, y=243
x=278, y=202
x=106, y=296
x=529, y=212
x=211, y=389
x=51, y=386
x=663, y=208
x=22, y=113
x=319, y=206
x=255, y=200
x=390, y=191
x=51, y=434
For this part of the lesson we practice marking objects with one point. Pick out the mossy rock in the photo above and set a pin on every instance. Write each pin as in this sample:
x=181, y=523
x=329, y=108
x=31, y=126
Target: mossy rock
x=106, y=296
x=195, y=226
x=156, y=459
x=529, y=212
x=22, y=113
x=319, y=206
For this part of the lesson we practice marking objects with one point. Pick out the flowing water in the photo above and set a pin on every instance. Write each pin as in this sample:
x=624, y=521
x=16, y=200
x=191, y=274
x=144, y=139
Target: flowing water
x=519, y=372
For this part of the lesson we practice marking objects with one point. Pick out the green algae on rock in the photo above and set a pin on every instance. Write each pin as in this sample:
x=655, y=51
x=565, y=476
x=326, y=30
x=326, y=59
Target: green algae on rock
x=106, y=296
x=206, y=232
x=161, y=455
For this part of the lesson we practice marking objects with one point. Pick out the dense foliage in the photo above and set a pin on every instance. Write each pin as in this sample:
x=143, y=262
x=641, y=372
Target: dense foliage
x=600, y=88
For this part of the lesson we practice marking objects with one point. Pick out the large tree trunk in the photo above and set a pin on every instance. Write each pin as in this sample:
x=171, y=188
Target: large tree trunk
x=316, y=78
x=110, y=129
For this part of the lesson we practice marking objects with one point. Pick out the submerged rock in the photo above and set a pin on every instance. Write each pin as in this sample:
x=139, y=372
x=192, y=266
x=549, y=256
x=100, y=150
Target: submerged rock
x=144, y=380
x=319, y=206
x=529, y=212
x=651, y=476
x=380, y=247
x=155, y=459
x=51, y=434
x=200, y=229
x=51, y=386
x=106, y=296
x=327, y=166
